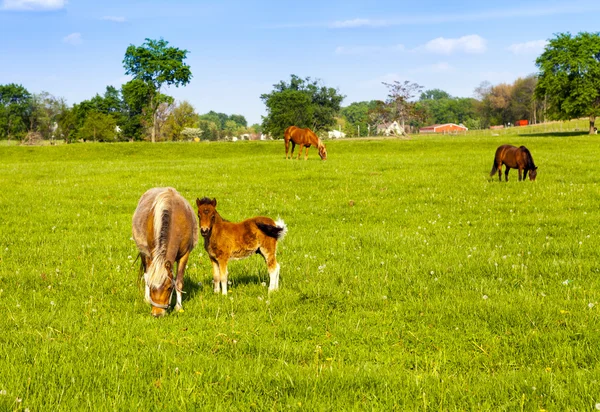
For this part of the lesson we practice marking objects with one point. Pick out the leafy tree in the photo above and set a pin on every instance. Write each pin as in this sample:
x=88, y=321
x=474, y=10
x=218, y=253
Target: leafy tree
x=14, y=105
x=301, y=102
x=99, y=127
x=156, y=64
x=210, y=131
x=218, y=119
x=356, y=116
x=569, y=76
x=239, y=120
x=136, y=95
x=257, y=128
x=181, y=116
x=434, y=94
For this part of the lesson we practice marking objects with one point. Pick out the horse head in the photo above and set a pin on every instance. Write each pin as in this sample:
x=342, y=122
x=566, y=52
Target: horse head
x=533, y=174
x=160, y=296
x=206, y=214
x=322, y=151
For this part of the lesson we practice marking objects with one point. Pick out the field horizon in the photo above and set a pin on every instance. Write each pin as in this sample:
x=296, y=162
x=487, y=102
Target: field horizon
x=410, y=278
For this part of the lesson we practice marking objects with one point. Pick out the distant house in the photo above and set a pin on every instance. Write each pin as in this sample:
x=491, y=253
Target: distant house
x=521, y=122
x=446, y=128
x=336, y=134
x=390, y=129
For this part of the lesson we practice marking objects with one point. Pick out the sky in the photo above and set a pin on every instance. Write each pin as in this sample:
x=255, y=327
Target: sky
x=239, y=49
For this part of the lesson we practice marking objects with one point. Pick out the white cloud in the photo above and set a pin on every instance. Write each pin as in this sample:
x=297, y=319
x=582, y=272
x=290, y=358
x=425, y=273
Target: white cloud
x=466, y=44
x=530, y=47
x=116, y=19
x=355, y=50
x=73, y=38
x=33, y=5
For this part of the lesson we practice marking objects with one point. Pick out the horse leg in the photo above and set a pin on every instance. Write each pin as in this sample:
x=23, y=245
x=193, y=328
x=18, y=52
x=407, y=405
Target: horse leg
x=300, y=151
x=179, y=281
x=287, y=147
x=216, y=275
x=293, y=147
x=506, y=173
x=500, y=172
x=146, y=265
x=525, y=174
x=520, y=174
x=272, y=266
x=306, y=157
x=223, y=277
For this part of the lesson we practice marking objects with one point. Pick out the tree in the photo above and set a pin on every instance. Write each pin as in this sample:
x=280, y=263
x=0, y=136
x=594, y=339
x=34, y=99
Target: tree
x=434, y=94
x=99, y=127
x=399, y=99
x=136, y=96
x=356, y=117
x=302, y=103
x=569, y=76
x=181, y=116
x=156, y=64
x=14, y=104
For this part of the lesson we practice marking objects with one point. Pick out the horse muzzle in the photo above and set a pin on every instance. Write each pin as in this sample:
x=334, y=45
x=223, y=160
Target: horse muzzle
x=204, y=232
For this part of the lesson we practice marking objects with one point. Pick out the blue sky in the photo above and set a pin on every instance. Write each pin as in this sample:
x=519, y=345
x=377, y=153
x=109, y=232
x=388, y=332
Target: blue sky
x=239, y=49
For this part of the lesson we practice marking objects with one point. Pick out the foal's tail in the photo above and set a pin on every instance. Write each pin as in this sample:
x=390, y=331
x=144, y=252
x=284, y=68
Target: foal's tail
x=277, y=231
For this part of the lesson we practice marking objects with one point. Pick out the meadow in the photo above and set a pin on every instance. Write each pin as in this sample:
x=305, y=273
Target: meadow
x=410, y=279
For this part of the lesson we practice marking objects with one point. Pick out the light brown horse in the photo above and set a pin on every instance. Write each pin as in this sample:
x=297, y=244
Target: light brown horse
x=515, y=158
x=304, y=138
x=225, y=240
x=165, y=232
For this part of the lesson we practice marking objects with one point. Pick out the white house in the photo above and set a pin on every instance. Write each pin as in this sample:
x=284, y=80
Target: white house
x=336, y=134
x=390, y=129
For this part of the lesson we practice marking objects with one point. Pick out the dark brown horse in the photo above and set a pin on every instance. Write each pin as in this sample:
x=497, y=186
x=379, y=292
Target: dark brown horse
x=514, y=158
x=165, y=232
x=225, y=240
x=303, y=138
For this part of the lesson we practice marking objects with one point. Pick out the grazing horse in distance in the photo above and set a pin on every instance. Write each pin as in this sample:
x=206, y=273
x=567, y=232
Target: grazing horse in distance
x=165, y=232
x=514, y=158
x=303, y=138
x=224, y=240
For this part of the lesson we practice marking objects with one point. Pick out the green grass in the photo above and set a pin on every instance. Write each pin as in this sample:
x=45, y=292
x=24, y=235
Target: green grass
x=410, y=280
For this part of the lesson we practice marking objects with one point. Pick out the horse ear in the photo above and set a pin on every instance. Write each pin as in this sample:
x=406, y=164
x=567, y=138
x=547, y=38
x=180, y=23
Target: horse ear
x=535, y=168
x=214, y=202
x=197, y=202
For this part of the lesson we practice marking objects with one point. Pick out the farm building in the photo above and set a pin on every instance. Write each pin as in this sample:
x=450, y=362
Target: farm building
x=390, y=129
x=521, y=123
x=443, y=128
x=336, y=134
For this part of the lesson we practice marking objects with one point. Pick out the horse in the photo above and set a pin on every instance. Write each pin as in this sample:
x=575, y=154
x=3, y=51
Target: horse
x=515, y=158
x=165, y=232
x=224, y=240
x=303, y=138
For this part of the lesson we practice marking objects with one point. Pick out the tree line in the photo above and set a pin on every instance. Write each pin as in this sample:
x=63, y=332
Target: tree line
x=566, y=86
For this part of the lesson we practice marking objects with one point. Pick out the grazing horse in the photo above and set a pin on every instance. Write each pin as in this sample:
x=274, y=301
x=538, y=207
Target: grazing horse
x=515, y=158
x=165, y=232
x=303, y=138
x=224, y=240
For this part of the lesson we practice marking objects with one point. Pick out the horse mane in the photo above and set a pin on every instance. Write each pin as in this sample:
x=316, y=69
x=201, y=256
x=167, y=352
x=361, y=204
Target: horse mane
x=530, y=164
x=205, y=201
x=157, y=272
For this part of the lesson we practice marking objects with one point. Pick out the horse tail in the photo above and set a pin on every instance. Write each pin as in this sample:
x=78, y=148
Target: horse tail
x=276, y=231
x=494, y=167
x=158, y=270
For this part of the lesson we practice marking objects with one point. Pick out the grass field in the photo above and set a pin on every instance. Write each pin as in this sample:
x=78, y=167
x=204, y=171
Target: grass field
x=410, y=280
